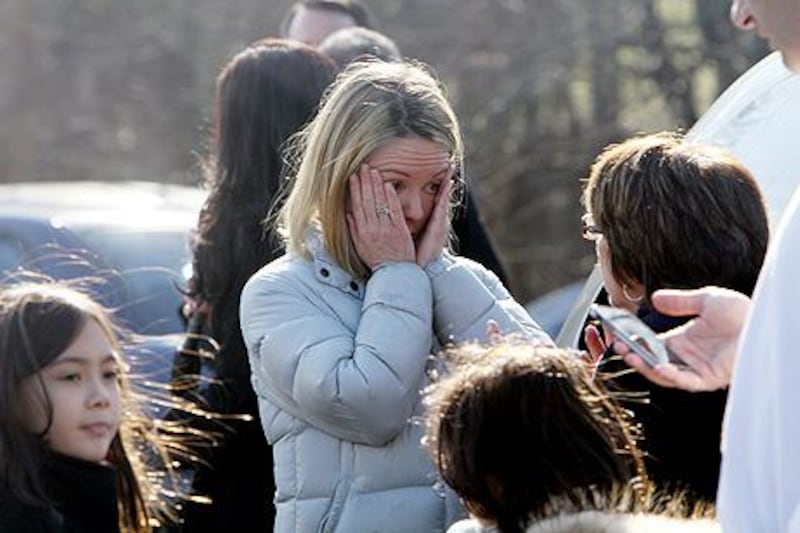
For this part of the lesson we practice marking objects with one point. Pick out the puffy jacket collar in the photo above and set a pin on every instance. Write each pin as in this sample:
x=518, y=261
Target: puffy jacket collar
x=326, y=270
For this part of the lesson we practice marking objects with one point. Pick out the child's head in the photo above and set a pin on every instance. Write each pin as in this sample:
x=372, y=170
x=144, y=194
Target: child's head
x=518, y=430
x=63, y=390
x=61, y=370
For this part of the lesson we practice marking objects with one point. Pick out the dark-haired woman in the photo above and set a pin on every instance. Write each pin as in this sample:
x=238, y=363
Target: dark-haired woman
x=666, y=213
x=265, y=94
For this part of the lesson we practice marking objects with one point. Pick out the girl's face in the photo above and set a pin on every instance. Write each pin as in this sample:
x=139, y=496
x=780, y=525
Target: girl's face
x=83, y=388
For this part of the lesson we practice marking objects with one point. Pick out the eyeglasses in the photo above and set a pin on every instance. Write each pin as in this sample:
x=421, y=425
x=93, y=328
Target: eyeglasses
x=589, y=229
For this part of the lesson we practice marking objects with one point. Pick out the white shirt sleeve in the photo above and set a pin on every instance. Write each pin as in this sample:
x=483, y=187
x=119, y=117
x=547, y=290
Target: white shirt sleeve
x=760, y=477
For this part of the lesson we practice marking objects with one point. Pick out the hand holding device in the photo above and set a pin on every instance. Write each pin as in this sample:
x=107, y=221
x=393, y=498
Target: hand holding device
x=635, y=334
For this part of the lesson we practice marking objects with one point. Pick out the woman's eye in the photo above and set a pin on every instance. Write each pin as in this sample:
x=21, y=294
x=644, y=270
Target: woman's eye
x=72, y=376
x=433, y=188
x=111, y=374
x=395, y=185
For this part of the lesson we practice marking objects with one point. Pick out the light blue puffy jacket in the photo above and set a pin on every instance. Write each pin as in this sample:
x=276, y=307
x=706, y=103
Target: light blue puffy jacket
x=338, y=366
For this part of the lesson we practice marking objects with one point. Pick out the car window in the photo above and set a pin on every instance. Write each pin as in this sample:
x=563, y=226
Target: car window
x=11, y=254
x=150, y=266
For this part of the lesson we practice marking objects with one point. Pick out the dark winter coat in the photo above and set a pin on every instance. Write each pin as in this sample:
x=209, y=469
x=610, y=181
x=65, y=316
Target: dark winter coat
x=83, y=496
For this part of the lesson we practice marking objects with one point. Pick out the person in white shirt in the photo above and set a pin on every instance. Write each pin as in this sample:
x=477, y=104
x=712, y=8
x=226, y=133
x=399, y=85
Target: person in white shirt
x=760, y=479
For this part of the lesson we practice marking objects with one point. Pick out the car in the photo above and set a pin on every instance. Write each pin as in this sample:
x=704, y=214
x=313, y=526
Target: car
x=132, y=237
x=757, y=118
x=551, y=308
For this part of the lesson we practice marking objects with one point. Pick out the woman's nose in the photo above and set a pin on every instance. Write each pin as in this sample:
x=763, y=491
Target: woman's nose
x=741, y=16
x=412, y=206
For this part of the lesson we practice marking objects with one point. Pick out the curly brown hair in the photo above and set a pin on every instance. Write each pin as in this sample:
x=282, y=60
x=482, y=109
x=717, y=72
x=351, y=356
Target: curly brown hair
x=519, y=430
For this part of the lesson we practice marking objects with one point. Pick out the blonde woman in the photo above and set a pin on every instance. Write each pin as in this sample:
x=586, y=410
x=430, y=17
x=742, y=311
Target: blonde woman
x=340, y=329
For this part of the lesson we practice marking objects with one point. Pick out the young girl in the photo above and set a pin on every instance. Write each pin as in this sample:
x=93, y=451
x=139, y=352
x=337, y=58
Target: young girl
x=72, y=445
x=532, y=441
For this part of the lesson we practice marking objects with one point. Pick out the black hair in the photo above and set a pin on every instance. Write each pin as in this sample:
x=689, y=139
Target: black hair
x=265, y=94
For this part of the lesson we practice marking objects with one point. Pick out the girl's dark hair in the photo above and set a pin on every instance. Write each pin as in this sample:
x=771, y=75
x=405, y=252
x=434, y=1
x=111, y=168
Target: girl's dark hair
x=677, y=214
x=38, y=322
x=265, y=94
x=521, y=432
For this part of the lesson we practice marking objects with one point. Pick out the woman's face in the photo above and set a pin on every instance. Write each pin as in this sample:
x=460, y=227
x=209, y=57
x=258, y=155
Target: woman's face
x=83, y=388
x=616, y=296
x=416, y=168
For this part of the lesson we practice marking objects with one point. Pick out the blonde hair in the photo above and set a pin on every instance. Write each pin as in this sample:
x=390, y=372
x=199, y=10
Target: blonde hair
x=369, y=104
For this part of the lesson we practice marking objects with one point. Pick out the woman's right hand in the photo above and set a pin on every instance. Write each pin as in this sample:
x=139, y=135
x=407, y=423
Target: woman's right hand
x=437, y=229
x=376, y=221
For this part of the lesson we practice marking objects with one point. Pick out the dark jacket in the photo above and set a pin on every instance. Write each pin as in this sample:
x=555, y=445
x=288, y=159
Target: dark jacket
x=84, y=498
x=681, y=429
x=472, y=239
x=237, y=473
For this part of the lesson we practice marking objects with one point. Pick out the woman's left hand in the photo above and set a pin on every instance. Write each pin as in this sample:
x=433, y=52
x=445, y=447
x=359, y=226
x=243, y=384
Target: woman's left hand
x=437, y=229
x=596, y=346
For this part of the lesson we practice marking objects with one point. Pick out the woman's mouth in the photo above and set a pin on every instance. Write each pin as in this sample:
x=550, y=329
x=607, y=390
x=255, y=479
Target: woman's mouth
x=97, y=429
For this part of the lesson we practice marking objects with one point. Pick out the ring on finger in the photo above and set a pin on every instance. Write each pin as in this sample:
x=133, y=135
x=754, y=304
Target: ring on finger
x=383, y=210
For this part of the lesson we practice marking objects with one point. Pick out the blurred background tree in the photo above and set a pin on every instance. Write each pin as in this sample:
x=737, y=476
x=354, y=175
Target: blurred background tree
x=121, y=90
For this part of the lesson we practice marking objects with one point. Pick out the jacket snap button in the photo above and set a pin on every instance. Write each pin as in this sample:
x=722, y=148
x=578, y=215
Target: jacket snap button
x=324, y=272
x=354, y=285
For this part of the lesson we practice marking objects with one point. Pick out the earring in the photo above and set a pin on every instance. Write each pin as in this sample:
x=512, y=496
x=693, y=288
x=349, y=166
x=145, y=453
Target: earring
x=630, y=298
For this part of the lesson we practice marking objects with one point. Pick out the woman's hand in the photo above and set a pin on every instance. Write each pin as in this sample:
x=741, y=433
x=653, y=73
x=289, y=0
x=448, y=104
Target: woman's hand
x=493, y=332
x=595, y=345
x=434, y=238
x=594, y=342
x=376, y=221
